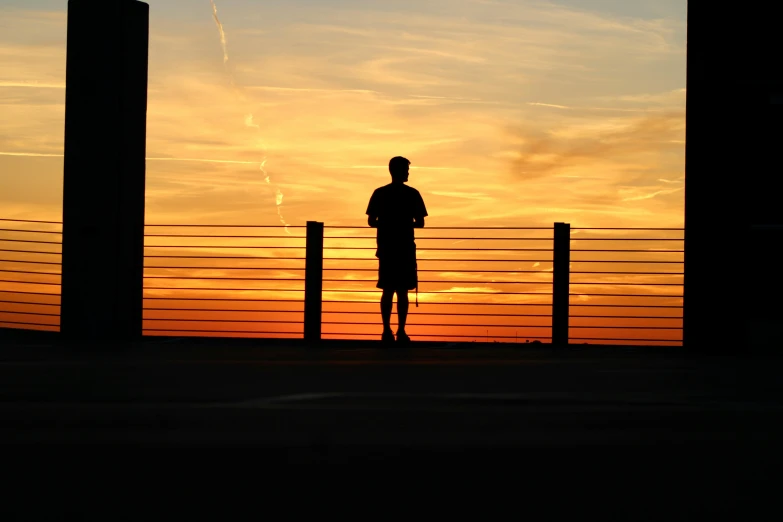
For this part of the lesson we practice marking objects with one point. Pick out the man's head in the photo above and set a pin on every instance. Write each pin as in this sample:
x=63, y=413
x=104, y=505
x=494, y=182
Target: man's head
x=398, y=168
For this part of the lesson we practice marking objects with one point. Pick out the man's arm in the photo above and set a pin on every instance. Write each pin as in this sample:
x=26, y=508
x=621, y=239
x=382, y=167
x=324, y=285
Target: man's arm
x=421, y=212
x=372, y=210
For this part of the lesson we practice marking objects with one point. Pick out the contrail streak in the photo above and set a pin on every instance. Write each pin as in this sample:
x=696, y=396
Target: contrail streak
x=198, y=160
x=221, y=31
x=31, y=84
x=249, y=118
x=31, y=154
x=205, y=160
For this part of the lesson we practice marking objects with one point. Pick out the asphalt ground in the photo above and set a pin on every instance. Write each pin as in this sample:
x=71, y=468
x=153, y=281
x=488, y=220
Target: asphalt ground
x=699, y=433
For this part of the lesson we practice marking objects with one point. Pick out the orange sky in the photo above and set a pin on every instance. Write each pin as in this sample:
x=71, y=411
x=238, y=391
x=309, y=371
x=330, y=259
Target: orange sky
x=513, y=114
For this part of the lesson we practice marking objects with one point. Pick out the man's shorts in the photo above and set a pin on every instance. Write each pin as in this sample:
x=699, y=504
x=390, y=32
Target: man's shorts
x=397, y=271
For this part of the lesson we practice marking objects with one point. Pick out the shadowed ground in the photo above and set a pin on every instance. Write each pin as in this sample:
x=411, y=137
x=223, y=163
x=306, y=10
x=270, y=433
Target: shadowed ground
x=702, y=432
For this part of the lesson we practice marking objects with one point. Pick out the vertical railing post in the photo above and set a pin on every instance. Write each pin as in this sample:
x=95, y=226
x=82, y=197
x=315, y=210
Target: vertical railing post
x=560, y=283
x=314, y=270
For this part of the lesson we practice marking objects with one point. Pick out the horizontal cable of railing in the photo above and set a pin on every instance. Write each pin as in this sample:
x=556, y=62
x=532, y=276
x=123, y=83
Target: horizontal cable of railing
x=30, y=231
x=29, y=272
x=28, y=282
x=11, y=321
x=329, y=227
x=30, y=252
x=235, y=299
x=31, y=262
x=30, y=313
x=191, y=225
x=50, y=294
x=31, y=221
x=298, y=334
x=30, y=302
x=224, y=278
x=31, y=241
x=148, y=267
x=624, y=341
x=225, y=257
x=635, y=229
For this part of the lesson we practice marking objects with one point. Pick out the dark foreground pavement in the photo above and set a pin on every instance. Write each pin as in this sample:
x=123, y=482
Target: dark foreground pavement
x=652, y=433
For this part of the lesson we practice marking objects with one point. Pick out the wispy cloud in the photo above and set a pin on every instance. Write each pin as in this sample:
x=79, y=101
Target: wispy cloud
x=31, y=154
x=463, y=195
x=653, y=194
x=551, y=105
x=544, y=153
x=32, y=84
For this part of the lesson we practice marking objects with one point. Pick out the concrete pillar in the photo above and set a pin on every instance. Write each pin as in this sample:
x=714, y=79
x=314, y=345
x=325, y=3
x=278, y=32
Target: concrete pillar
x=732, y=170
x=104, y=172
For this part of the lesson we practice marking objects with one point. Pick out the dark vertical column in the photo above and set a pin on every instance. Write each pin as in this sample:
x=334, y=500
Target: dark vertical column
x=314, y=270
x=561, y=276
x=732, y=164
x=104, y=172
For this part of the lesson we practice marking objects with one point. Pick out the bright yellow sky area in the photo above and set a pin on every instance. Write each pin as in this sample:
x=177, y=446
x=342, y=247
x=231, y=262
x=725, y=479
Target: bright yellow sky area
x=513, y=113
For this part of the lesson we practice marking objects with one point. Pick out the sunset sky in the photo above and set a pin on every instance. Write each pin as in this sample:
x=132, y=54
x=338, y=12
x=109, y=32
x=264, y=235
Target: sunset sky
x=513, y=113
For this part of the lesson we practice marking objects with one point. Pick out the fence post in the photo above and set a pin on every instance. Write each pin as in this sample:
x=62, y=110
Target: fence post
x=560, y=283
x=314, y=270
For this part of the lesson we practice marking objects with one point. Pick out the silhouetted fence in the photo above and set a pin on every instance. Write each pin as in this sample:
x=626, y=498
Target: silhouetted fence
x=30, y=268
x=224, y=280
x=551, y=284
x=496, y=285
x=625, y=287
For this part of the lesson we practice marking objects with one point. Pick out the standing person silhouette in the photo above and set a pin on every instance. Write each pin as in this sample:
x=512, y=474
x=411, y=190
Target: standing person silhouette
x=395, y=210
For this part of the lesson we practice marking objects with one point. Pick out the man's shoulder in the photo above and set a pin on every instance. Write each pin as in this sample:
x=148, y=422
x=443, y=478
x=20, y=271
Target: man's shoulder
x=382, y=190
x=411, y=190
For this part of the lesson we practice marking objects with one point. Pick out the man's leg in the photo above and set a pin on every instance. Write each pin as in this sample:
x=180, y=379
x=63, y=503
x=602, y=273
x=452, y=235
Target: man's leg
x=386, y=308
x=402, y=309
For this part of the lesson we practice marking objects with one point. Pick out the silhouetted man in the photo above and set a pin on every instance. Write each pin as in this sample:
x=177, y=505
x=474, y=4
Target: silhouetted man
x=395, y=210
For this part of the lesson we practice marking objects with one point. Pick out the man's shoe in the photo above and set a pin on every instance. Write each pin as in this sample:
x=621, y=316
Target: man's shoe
x=402, y=337
x=387, y=337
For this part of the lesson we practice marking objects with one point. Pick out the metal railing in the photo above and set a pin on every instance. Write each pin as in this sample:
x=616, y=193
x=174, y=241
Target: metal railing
x=475, y=284
x=626, y=285
x=486, y=284
x=223, y=280
x=30, y=269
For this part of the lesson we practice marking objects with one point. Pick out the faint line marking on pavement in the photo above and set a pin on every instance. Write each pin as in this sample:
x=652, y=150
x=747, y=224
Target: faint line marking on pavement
x=263, y=362
x=311, y=399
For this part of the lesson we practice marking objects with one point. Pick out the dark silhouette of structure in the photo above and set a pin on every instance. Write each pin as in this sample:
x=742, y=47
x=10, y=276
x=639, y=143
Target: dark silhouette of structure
x=733, y=215
x=395, y=210
x=104, y=173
